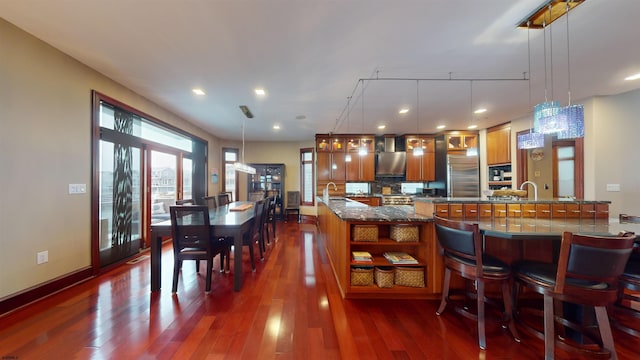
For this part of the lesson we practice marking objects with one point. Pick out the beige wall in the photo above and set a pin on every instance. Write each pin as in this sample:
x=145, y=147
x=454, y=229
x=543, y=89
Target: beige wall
x=611, y=132
x=45, y=144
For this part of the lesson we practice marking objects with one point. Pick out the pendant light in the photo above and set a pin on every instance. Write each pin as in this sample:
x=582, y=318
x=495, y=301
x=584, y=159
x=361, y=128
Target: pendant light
x=418, y=150
x=573, y=113
x=546, y=116
x=530, y=140
x=347, y=158
x=242, y=166
x=363, y=148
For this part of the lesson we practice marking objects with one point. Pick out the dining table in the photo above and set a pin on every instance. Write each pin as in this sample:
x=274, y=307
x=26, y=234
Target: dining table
x=229, y=221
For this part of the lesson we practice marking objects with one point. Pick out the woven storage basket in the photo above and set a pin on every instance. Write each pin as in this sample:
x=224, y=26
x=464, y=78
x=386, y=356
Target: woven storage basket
x=404, y=232
x=365, y=233
x=361, y=276
x=383, y=276
x=409, y=276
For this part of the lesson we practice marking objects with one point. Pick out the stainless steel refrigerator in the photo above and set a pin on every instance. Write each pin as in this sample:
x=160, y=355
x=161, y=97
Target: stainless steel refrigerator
x=463, y=176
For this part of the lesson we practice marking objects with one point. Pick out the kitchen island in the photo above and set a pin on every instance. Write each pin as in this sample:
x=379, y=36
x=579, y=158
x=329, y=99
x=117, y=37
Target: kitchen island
x=513, y=234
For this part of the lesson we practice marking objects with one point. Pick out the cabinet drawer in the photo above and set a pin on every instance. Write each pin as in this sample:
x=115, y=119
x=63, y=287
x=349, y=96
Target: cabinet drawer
x=543, y=211
x=602, y=211
x=442, y=210
x=499, y=210
x=514, y=210
x=485, y=211
x=587, y=211
x=558, y=211
x=470, y=211
x=455, y=211
x=529, y=210
x=573, y=211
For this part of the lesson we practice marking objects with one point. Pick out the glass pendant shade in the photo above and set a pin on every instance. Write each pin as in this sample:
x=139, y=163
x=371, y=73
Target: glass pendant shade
x=530, y=140
x=241, y=167
x=547, y=118
x=575, y=122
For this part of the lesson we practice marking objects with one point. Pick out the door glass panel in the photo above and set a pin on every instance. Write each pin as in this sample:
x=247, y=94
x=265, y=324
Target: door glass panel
x=565, y=178
x=119, y=194
x=163, y=185
x=187, y=175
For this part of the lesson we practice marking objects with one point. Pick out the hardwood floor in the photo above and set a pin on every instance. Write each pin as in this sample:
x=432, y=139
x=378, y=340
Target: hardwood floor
x=290, y=308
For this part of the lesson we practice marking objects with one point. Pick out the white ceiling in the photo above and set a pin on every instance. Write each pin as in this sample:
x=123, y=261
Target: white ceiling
x=310, y=55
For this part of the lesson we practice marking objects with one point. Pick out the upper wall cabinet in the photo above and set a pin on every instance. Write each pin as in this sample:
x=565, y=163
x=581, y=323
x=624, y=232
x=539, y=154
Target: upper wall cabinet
x=462, y=141
x=499, y=144
x=420, y=167
x=360, y=167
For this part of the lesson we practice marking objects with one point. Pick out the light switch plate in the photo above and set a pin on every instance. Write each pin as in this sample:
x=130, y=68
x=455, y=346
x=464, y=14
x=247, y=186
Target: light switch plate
x=613, y=187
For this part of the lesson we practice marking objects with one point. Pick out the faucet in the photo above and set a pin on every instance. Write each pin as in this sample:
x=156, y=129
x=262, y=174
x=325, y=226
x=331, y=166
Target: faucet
x=326, y=191
x=535, y=188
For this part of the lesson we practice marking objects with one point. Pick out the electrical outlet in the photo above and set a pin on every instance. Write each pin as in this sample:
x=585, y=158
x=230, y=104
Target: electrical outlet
x=42, y=257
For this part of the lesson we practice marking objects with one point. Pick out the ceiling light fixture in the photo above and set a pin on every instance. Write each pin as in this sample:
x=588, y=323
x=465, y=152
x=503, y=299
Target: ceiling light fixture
x=546, y=116
x=382, y=127
x=276, y=127
x=418, y=150
x=633, y=77
x=363, y=148
x=260, y=92
x=199, y=92
x=440, y=127
x=403, y=111
x=480, y=111
x=547, y=13
x=242, y=166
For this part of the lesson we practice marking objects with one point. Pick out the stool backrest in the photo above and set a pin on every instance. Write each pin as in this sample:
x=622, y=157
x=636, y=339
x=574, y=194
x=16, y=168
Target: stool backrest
x=460, y=239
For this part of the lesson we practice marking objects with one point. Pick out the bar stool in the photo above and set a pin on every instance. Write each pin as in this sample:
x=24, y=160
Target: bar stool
x=461, y=245
x=629, y=281
x=586, y=275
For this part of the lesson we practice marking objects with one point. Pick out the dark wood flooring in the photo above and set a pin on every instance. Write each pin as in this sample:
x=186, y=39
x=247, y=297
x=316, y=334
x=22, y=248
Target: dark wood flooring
x=290, y=308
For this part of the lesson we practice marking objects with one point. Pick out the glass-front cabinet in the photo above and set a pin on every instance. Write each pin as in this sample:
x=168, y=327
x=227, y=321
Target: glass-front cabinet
x=270, y=179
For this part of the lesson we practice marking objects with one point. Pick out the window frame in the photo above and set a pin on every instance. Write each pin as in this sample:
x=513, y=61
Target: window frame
x=303, y=188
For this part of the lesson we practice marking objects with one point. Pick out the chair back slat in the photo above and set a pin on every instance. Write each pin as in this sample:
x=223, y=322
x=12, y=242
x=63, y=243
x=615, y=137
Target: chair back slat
x=210, y=201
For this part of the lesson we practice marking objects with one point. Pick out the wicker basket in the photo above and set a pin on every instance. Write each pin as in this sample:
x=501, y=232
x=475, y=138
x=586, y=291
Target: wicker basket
x=409, y=276
x=365, y=233
x=384, y=276
x=404, y=233
x=361, y=276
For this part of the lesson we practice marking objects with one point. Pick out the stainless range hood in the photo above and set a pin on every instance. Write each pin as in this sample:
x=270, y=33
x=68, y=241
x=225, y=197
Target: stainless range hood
x=391, y=163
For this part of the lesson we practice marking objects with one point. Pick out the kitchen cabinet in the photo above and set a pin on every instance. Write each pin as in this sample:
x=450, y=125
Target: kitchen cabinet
x=330, y=162
x=420, y=167
x=270, y=179
x=499, y=144
x=360, y=167
x=462, y=141
x=368, y=200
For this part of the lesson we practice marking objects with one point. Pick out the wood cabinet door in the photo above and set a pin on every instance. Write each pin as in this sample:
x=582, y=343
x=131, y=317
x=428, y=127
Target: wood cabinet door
x=324, y=165
x=414, y=167
x=353, y=168
x=367, y=167
x=499, y=146
x=429, y=166
x=338, y=167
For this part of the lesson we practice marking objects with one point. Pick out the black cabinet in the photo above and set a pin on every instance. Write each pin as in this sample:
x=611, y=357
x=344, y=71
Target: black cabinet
x=270, y=179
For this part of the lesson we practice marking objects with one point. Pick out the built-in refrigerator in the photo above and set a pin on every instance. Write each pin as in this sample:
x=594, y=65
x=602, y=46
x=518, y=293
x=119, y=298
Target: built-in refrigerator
x=463, y=176
x=457, y=172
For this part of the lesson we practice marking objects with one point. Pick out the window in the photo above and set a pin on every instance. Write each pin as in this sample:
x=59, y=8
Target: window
x=306, y=176
x=230, y=181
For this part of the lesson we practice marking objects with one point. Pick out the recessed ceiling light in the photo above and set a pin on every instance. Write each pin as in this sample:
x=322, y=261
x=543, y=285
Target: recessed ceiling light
x=480, y=111
x=633, y=77
x=259, y=92
x=403, y=111
x=276, y=127
x=300, y=117
x=198, y=92
x=441, y=126
x=472, y=127
x=381, y=127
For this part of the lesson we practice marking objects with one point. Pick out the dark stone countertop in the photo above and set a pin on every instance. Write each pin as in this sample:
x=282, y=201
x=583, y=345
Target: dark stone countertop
x=477, y=200
x=351, y=210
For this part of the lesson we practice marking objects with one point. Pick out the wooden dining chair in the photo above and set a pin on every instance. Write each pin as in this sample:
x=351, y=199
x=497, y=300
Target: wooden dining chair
x=461, y=247
x=586, y=274
x=223, y=199
x=192, y=240
x=252, y=237
x=293, y=205
x=185, y=202
x=210, y=201
x=270, y=220
x=626, y=314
